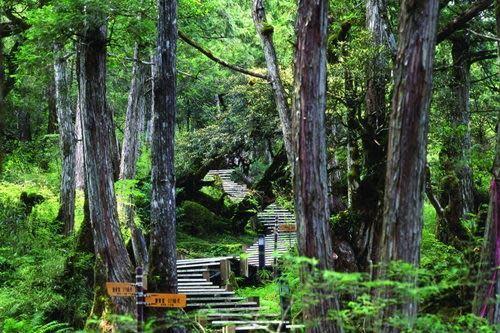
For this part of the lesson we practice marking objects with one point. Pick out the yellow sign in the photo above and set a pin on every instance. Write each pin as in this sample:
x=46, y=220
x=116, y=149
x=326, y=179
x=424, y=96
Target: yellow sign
x=120, y=289
x=288, y=227
x=166, y=300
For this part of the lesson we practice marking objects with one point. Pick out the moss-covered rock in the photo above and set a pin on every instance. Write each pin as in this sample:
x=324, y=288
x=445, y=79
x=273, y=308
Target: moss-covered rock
x=196, y=219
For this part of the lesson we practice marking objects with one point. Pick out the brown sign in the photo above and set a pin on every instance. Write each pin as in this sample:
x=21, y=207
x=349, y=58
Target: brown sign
x=288, y=227
x=166, y=300
x=120, y=289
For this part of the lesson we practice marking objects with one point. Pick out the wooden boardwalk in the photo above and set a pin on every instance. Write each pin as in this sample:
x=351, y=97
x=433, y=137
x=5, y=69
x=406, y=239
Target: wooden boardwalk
x=206, y=280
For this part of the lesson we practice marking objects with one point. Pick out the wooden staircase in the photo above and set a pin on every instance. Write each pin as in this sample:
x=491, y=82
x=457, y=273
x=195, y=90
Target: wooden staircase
x=206, y=280
x=235, y=190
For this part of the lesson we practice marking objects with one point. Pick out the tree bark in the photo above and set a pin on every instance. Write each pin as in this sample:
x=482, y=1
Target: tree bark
x=23, y=125
x=353, y=164
x=134, y=121
x=405, y=177
x=486, y=302
x=163, y=238
x=67, y=141
x=79, y=159
x=112, y=260
x=367, y=202
x=457, y=187
x=134, y=124
x=2, y=104
x=51, y=109
x=310, y=172
x=115, y=145
x=265, y=32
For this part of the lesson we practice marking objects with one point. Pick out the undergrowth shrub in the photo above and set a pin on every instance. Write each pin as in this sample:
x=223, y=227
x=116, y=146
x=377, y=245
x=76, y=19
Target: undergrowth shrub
x=32, y=257
x=362, y=298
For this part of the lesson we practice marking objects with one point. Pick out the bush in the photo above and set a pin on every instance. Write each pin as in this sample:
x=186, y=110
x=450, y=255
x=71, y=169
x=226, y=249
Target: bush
x=195, y=219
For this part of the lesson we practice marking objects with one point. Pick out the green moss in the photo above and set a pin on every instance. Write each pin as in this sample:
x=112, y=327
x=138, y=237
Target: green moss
x=196, y=219
x=212, y=245
x=267, y=29
x=268, y=296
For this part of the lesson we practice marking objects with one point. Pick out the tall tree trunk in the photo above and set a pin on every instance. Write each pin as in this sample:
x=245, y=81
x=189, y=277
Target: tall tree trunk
x=51, y=109
x=405, y=177
x=148, y=124
x=67, y=141
x=368, y=200
x=335, y=175
x=112, y=260
x=163, y=254
x=310, y=176
x=134, y=119
x=23, y=125
x=115, y=145
x=2, y=104
x=134, y=124
x=265, y=32
x=486, y=302
x=79, y=160
x=456, y=187
x=353, y=164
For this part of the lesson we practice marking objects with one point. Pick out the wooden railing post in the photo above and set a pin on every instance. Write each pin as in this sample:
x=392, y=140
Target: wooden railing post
x=225, y=270
x=139, y=299
x=262, y=251
x=244, y=263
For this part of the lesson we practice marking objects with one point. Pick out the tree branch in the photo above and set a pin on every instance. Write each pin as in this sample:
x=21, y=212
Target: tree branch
x=483, y=55
x=221, y=62
x=487, y=36
x=430, y=193
x=461, y=20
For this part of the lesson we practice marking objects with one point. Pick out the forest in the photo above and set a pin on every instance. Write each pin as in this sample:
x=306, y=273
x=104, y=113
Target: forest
x=312, y=166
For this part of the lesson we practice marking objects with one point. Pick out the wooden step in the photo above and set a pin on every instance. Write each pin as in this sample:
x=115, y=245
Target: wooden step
x=201, y=264
x=183, y=284
x=199, y=260
x=205, y=292
x=214, y=299
x=241, y=315
x=181, y=280
x=224, y=304
x=192, y=270
x=229, y=310
x=248, y=322
x=189, y=275
x=202, y=288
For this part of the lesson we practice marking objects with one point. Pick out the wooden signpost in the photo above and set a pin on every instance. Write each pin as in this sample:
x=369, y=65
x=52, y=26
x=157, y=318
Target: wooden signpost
x=287, y=227
x=120, y=289
x=137, y=289
x=166, y=300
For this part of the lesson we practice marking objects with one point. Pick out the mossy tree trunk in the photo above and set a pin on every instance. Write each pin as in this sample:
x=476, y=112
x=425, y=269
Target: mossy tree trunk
x=67, y=140
x=2, y=104
x=134, y=124
x=456, y=188
x=367, y=201
x=486, y=302
x=405, y=175
x=265, y=32
x=310, y=168
x=112, y=260
x=163, y=256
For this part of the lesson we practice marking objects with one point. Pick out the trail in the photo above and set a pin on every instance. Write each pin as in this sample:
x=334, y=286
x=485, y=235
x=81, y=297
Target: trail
x=206, y=280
